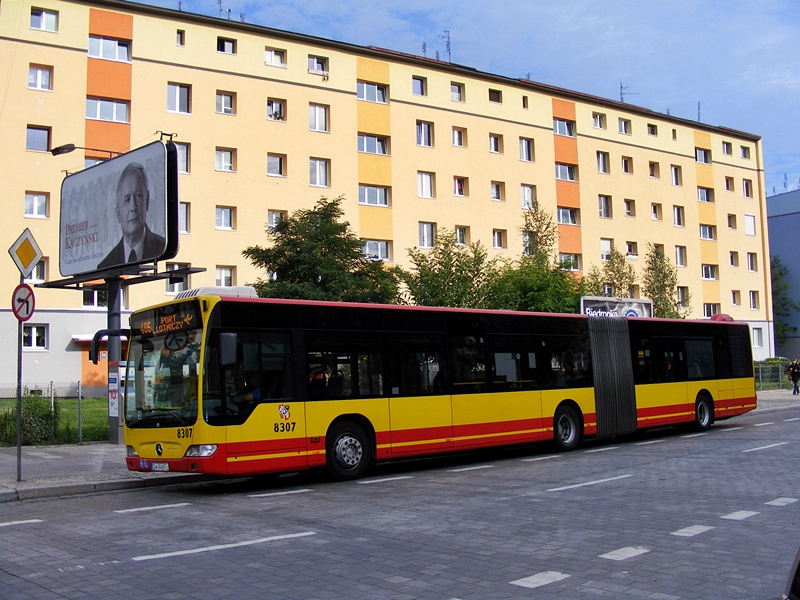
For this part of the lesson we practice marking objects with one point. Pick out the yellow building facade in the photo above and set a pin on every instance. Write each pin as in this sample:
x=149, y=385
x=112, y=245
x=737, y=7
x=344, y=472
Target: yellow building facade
x=268, y=121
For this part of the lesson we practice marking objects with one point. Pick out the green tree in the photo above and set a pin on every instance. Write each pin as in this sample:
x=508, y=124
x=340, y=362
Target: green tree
x=539, y=232
x=533, y=283
x=782, y=304
x=315, y=256
x=660, y=284
x=619, y=273
x=449, y=274
x=592, y=282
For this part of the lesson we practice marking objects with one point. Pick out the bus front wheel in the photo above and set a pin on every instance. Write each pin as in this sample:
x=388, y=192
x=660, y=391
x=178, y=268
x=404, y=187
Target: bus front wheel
x=567, y=430
x=348, y=451
x=703, y=413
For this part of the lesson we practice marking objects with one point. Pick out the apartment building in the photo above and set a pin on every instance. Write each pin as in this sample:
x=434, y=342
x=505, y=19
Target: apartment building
x=267, y=121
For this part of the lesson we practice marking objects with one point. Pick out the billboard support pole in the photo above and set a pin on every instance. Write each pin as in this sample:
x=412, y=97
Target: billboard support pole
x=114, y=356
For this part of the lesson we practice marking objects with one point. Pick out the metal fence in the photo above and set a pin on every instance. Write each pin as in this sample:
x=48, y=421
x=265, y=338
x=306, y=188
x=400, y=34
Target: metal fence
x=772, y=376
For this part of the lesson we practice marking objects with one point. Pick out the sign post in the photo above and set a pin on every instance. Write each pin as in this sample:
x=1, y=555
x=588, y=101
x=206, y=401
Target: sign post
x=25, y=253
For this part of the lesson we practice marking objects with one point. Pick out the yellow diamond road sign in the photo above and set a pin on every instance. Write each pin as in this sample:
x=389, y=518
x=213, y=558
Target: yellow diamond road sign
x=25, y=252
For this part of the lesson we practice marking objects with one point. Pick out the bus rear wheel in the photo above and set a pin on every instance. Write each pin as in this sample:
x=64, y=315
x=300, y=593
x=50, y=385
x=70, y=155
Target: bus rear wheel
x=703, y=414
x=348, y=451
x=567, y=429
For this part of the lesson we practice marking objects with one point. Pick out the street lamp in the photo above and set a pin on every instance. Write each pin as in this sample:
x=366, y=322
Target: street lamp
x=67, y=148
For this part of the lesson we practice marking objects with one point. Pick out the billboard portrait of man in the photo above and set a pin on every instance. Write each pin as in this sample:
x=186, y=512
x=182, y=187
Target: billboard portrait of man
x=138, y=242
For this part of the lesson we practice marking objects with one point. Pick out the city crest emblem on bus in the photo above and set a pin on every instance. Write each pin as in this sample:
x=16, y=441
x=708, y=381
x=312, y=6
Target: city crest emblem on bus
x=283, y=411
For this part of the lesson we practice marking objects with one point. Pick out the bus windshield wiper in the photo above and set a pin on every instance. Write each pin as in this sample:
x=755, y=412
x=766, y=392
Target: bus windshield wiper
x=158, y=411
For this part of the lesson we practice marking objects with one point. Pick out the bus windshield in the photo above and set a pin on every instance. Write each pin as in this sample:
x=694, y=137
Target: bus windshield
x=162, y=371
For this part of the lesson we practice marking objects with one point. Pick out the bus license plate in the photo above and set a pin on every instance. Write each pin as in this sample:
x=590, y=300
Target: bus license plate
x=159, y=466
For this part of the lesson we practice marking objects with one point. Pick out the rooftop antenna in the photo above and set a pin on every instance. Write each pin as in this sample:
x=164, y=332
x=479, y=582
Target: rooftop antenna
x=219, y=3
x=785, y=183
x=437, y=55
x=180, y=5
x=698, y=112
x=528, y=75
x=241, y=17
x=228, y=10
x=623, y=93
x=446, y=36
x=425, y=49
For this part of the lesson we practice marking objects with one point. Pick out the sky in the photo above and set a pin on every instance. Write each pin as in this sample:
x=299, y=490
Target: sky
x=736, y=62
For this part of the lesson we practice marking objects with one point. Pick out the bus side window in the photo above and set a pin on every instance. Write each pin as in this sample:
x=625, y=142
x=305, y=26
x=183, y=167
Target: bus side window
x=415, y=365
x=276, y=366
x=468, y=355
x=514, y=363
x=330, y=375
x=700, y=359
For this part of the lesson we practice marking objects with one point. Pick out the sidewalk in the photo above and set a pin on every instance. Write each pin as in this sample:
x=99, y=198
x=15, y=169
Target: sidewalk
x=49, y=471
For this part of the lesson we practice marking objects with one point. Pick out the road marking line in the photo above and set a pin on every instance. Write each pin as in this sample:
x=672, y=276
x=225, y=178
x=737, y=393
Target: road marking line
x=274, y=538
x=790, y=420
x=625, y=553
x=650, y=442
x=692, y=531
x=602, y=449
x=542, y=458
x=144, y=508
x=763, y=424
x=7, y=523
x=781, y=502
x=577, y=485
x=371, y=481
x=691, y=435
x=470, y=468
x=765, y=447
x=268, y=494
x=731, y=428
x=740, y=515
x=540, y=579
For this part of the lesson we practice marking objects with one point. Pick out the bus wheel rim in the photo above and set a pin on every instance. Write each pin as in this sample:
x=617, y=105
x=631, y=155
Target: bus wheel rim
x=349, y=451
x=703, y=415
x=566, y=429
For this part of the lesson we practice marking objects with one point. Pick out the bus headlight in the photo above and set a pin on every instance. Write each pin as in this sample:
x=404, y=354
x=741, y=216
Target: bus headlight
x=201, y=450
x=131, y=451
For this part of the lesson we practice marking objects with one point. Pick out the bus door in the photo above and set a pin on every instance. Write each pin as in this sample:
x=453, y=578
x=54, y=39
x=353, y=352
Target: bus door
x=614, y=390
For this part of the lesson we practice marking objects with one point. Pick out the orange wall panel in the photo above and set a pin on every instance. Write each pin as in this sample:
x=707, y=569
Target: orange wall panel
x=108, y=79
x=566, y=149
x=107, y=136
x=568, y=194
x=563, y=109
x=110, y=24
x=569, y=239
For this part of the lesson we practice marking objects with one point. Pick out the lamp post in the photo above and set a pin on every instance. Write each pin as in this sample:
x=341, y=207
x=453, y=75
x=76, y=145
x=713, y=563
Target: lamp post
x=67, y=148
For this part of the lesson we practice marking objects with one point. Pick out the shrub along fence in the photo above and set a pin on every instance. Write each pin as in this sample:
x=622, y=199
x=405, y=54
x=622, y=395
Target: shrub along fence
x=772, y=375
x=52, y=413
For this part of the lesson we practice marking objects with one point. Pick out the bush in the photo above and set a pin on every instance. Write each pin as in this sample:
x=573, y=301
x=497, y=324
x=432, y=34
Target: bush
x=39, y=423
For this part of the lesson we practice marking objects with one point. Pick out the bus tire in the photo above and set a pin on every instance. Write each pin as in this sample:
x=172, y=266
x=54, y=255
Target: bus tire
x=703, y=413
x=567, y=428
x=348, y=451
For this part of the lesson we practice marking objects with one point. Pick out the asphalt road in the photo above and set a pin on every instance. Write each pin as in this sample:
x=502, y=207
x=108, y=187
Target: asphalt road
x=664, y=515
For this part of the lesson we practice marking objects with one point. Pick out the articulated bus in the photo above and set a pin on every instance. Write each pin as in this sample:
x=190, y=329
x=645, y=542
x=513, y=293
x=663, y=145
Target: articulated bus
x=220, y=381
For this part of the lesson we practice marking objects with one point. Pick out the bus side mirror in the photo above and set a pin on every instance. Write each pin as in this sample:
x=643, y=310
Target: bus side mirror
x=227, y=348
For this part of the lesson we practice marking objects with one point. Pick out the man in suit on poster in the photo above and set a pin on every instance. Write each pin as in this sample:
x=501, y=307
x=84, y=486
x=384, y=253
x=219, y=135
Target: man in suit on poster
x=138, y=243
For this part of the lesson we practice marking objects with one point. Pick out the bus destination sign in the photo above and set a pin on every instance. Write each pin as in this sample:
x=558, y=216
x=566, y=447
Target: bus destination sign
x=167, y=319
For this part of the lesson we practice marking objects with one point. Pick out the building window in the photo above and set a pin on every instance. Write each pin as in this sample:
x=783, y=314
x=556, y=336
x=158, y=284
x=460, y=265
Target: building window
x=425, y=134
x=710, y=309
x=566, y=172
x=678, y=216
x=37, y=205
x=567, y=216
x=183, y=217
x=736, y=297
x=598, y=120
x=461, y=235
x=318, y=117
x=274, y=57
x=655, y=211
x=708, y=232
x=729, y=184
x=527, y=195
x=758, y=337
x=34, y=337
x=631, y=249
x=569, y=262
x=456, y=92
x=459, y=137
x=625, y=126
x=497, y=189
x=225, y=277
x=752, y=262
x=226, y=45
x=747, y=188
x=499, y=239
x=753, y=300
x=608, y=290
x=731, y=221
x=727, y=148
x=734, y=258
x=109, y=49
x=37, y=138
x=605, y=248
x=95, y=298
x=627, y=165
x=603, y=162
x=183, y=157
x=180, y=37
x=39, y=272
x=371, y=92
x=630, y=208
x=426, y=184
x=373, y=144
x=40, y=77
x=225, y=218
x=749, y=224
x=654, y=169
x=427, y=233
x=319, y=172
x=680, y=256
x=652, y=129
x=495, y=143
x=746, y=152
x=526, y=149
x=276, y=165
x=273, y=218
x=460, y=186
x=525, y=102
x=317, y=65
x=683, y=296
x=276, y=109
x=373, y=195
x=179, y=283
x=179, y=98
x=702, y=155
x=705, y=194
x=604, y=204
x=564, y=127
x=225, y=159
x=496, y=96
x=419, y=86
x=677, y=176
x=226, y=103
x=375, y=250
x=44, y=20
x=709, y=272
x=106, y=110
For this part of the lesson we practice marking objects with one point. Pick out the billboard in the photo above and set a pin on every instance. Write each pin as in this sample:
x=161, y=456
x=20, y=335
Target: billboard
x=595, y=306
x=119, y=212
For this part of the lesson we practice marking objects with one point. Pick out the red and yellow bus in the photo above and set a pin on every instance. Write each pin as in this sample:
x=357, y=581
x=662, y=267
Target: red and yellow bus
x=219, y=381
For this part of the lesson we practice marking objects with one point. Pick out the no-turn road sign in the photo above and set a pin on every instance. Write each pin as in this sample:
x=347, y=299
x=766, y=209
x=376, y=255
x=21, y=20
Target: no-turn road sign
x=23, y=302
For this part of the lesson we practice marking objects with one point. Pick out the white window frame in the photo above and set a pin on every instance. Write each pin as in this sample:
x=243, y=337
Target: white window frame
x=705, y=194
x=752, y=262
x=175, y=94
x=702, y=155
x=682, y=294
x=319, y=172
x=745, y=152
x=606, y=245
x=627, y=165
x=224, y=218
x=598, y=120
x=710, y=309
x=707, y=232
x=656, y=211
x=709, y=272
x=678, y=216
x=427, y=234
x=527, y=196
x=497, y=191
x=318, y=118
x=44, y=20
x=184, y=157
x=563, y=127
x=419, y=86
x=273, y=160
x=574, y=261
x=736, y=297
x=40, y=77
x=754, y=300
x=426, y=184
x=373, y=144
x=459, y=137
x=727, y=148
x=30, y=337
x=226, y=45
x=39, y=272
x=425, y=134
x=747, y=188
x=460, y=187
x=676, y=174
x=377, y=250
x=226, y=103
x=733, y=257
x=460, y=233
x=103, y=109
x=749, y=224
x=604, y=208
x=603, y=162
x=273, y=218
x=499, y=239
x=39, y=203
x=567, y=216
x=276, y=109
x=680, y=256
x=224, y=159
x=566, y=172
x=758, y=337
x=109, y=49
x=275, y=57
x=526, y=149
x=184, y=213
x=495, y=143
x=373, y=195
x=456, y=91
x=625, y=126
x=372, y=92
x=31, y=143
x=225, y=276
x=630, y=207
